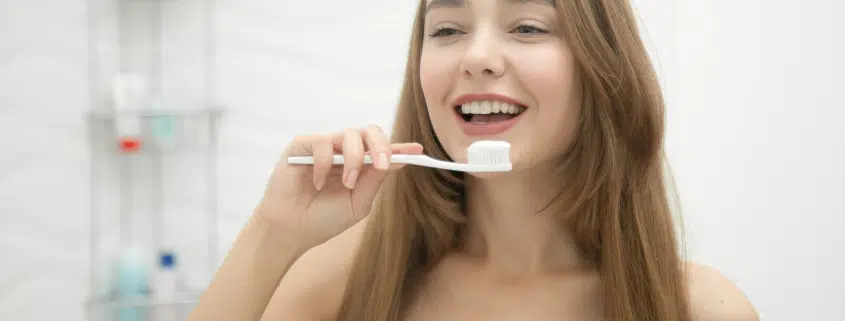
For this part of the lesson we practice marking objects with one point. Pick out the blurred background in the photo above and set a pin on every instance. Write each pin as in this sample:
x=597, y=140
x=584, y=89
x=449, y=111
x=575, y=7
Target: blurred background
x=89, y=190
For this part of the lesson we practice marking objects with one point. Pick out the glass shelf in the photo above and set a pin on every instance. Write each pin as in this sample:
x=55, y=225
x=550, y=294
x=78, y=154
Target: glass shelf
x=151, y=309
x=158, y=130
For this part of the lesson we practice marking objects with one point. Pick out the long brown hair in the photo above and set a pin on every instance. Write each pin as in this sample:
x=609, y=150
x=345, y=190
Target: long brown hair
x=620, y=213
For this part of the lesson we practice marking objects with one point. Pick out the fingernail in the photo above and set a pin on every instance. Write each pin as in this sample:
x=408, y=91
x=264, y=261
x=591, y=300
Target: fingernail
x=383, y=163
x=351, y=177
x=318, y=183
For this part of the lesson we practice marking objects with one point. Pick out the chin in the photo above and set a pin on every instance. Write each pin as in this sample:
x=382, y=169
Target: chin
x=488, y=175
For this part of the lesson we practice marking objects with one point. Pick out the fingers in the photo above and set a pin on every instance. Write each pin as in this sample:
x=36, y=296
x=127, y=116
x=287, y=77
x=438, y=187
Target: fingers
x=323, y=153
x=321, y=149
x=378, y=146
x=404, y=149
x=355, y=143
x=407, y=148
x=352, y=145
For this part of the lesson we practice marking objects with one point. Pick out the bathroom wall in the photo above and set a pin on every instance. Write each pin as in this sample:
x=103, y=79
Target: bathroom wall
x=752, y=138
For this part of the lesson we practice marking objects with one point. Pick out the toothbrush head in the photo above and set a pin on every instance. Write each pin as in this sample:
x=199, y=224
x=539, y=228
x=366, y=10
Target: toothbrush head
x=491, y=156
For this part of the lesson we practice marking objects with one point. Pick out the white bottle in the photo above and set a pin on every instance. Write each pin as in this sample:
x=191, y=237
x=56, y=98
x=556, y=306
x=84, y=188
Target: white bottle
x=128, y=94
x=166, y=288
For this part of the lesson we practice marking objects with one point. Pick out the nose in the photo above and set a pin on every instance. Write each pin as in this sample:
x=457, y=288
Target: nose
x=483, y=58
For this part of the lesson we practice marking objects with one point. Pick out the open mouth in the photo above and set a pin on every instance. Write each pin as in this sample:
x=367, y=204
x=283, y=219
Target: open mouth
x=488, y=112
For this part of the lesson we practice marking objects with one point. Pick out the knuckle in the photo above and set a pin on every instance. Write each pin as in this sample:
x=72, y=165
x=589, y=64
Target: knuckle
x=323, y=141
x=381, y=148
x=298, y=141
x=375, y=128
x=299, y=144
x=350, y=132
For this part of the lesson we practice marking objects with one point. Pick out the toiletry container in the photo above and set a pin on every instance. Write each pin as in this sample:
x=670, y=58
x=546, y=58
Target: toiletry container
x=166, y=287
x=132, y=283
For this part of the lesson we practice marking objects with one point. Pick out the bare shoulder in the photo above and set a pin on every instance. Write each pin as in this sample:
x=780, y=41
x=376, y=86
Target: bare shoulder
x=713, y=297
x=313, y=288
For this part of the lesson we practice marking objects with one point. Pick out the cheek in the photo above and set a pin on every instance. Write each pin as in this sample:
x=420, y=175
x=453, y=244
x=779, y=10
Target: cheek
x=549, y=76
x=436, y=80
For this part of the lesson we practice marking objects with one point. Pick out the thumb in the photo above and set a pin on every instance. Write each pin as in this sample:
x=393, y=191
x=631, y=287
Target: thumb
x=371, y=178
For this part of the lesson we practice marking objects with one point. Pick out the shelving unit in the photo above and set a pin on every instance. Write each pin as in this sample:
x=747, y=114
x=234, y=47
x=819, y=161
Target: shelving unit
x=153, y=158
x=157, y=192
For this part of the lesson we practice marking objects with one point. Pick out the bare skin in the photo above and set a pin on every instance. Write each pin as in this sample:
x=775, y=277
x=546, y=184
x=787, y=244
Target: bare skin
x=465, y=288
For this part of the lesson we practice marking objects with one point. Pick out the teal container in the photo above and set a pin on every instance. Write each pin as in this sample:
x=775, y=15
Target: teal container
x=132, y=285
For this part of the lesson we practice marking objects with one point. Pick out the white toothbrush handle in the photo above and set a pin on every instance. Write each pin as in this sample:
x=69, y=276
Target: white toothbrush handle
x=419, y=160
x=339, y=160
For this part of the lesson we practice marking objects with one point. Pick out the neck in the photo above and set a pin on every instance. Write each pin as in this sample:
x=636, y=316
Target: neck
x=515, y=226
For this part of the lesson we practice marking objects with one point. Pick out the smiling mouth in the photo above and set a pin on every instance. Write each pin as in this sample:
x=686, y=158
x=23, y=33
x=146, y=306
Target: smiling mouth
x=487, y=112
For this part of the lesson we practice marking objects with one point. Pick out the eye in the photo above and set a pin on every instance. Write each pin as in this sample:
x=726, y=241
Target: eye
x=529, y=29
x=444, y=32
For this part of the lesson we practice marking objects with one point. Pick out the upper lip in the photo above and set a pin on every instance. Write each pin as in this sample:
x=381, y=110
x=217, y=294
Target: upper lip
x=462, y=99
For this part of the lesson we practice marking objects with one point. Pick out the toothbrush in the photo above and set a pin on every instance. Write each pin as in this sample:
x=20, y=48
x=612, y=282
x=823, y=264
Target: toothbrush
x=484, y=156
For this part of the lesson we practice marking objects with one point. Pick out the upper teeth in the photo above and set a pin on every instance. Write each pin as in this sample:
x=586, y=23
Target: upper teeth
x=487, y=107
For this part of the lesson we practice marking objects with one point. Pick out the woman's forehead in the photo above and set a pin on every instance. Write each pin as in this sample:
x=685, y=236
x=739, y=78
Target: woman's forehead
x=460, y=3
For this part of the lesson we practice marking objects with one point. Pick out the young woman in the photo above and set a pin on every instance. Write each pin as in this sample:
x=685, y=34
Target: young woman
x=581, y=228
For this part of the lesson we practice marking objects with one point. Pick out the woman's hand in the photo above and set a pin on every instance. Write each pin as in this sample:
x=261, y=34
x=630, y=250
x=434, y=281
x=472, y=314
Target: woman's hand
x=314, y=203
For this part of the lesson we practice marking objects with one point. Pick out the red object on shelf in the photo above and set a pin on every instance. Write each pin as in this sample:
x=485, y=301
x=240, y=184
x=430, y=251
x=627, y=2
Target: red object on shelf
x=130, y=144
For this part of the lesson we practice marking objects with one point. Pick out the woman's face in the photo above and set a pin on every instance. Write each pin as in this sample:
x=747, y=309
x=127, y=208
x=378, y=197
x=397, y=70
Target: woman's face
x=499, y=70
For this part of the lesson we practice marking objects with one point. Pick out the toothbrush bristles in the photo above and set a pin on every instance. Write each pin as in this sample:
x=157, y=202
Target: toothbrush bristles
x=489, y=153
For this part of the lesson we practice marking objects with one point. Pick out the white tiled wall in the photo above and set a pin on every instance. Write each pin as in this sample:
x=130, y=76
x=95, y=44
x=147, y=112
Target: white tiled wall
x=279, y=65
x=752, y=129
x=43, y=78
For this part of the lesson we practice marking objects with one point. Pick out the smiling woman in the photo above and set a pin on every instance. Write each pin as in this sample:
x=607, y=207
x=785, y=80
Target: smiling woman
x=580, y=229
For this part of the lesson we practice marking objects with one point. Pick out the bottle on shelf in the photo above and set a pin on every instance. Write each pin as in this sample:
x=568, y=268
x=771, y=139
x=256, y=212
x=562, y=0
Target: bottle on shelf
x=166, y=287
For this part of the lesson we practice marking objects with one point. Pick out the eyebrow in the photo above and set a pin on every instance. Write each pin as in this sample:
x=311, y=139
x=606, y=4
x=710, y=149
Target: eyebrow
x=460, y=3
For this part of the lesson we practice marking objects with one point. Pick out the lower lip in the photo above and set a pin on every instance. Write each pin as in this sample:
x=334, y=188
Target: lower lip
x=489, y=129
